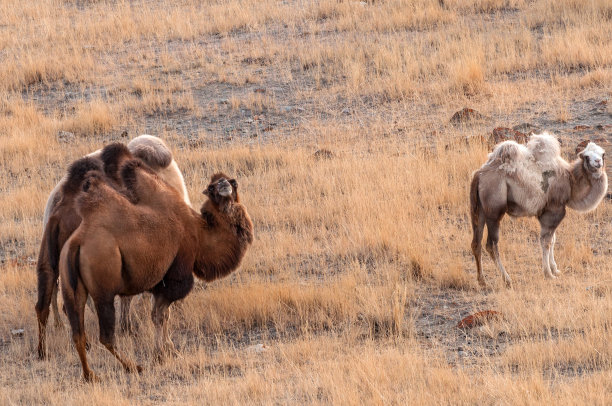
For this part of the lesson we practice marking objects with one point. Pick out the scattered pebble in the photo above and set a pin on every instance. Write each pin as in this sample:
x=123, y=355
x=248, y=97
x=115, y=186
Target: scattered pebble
x=501, y=134
x=323, y=154
x=17, y=332
x=66, y=136
x=258, y=348
x=466, y=115
x=527, y=128
x=479, y=318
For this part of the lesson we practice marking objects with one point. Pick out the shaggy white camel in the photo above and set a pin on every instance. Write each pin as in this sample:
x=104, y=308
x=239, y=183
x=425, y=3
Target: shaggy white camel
x=533, y=180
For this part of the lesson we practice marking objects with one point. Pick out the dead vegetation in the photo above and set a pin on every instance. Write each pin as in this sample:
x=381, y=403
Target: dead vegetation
x=361, y=268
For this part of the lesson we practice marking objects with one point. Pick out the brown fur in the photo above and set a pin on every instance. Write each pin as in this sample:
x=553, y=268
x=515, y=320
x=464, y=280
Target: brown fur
x=156, y=245
x=63, y=221
x=495, y=191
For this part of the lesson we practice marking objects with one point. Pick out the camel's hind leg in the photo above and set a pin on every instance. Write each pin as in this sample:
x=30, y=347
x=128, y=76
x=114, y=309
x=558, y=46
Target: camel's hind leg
x=477, y=229
x=46, y=287
x=74, y=304
x=105, y=307
x=56, y=316
x=492, y=247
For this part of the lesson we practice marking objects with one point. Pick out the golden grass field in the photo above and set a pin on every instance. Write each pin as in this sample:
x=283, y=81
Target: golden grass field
x=333, y=115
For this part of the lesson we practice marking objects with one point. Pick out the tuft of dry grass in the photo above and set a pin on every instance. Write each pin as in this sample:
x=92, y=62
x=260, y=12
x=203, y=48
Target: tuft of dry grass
x=334, y=118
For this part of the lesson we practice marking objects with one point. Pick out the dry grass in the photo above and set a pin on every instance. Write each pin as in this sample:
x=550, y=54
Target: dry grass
x=333, y=116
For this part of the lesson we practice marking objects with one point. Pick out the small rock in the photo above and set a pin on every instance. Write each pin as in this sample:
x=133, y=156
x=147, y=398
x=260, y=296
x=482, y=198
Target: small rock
x=259, y=90
x=477, y=319
x=527, y=128
x=582, y=127
x=582, y=145
x=287, y=109
x=124, y=133
x=462, y=353
x=248, y=121
x=267, y=128
x=258, y=348
x=224, y=101
x=346, y=111
x=466, y=115
x=323, y=154
x=501, y=134
x=65, y=136
x=17, y=332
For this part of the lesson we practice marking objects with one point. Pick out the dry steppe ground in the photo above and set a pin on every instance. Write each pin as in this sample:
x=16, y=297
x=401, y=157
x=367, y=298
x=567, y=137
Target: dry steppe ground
x=334, y=117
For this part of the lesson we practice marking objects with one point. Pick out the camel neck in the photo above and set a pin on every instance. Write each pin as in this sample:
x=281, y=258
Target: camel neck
x=587, y=190
x=223, y=240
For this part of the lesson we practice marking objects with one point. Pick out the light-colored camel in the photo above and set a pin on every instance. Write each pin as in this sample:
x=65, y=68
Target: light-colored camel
x=156, y=245
x=61, y=219
x=533, y=180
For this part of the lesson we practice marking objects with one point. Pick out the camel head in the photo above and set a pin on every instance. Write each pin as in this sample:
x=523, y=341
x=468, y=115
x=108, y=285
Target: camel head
x=593, y=158
x=222, y=191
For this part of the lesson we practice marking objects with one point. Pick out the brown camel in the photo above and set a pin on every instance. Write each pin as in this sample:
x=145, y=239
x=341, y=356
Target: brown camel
x=533, y=180
x=61, y=218
x=156, y=245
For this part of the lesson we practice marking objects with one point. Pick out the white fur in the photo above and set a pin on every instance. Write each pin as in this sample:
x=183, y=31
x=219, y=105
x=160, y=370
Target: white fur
x=525, y=167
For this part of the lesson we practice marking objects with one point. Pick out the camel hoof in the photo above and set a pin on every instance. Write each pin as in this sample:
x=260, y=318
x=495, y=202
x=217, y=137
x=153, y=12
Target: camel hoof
x=508, y=284
x=133, y=368
x=91, y=378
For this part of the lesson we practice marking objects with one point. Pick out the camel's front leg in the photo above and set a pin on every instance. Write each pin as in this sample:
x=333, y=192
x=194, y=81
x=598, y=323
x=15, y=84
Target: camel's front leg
x=545, y=242
x=549, y=221
x=551, y=256
x=160, y=314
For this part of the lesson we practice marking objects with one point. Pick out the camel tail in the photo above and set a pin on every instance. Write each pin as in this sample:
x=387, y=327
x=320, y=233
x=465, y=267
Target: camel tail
x=53, y=246
x=74, y=271
x=474, y=199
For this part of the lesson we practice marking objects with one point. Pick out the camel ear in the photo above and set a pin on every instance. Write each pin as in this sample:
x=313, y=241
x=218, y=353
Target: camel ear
x=208, y=191
x=581, y=154
x=234, y=183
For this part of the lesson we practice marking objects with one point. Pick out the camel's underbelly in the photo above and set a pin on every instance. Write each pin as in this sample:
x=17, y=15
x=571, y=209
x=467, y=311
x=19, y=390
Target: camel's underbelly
x=143, y=274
